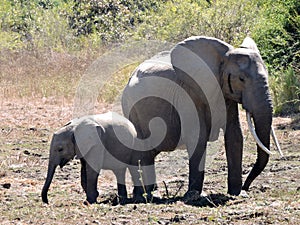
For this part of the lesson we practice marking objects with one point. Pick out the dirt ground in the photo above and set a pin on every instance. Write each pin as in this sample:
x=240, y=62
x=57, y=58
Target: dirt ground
x=26, y=126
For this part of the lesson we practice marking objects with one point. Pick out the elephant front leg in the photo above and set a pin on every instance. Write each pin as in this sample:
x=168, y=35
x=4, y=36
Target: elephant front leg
x=91, y=184
x=234, y=148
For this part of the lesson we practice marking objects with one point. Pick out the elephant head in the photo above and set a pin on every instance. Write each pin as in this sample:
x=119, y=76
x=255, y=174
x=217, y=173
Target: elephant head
x=62, y=150
x=242, y=77
x=77, y=138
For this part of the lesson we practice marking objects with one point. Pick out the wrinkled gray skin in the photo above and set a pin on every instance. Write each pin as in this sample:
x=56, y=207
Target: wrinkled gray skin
x=242, y=77
x=93, y=140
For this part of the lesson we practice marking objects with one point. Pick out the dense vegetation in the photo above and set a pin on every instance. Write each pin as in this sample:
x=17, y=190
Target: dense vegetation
x=77, y=25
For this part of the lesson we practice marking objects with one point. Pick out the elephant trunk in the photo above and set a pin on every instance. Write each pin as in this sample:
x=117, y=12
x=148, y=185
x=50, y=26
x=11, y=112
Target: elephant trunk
x=263, y=124
x=50, y=174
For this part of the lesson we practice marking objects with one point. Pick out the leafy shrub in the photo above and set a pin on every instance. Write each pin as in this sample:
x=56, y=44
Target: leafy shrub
x=112, y=20
x=34, y=24
x=285, y=86
x=176, y=20
x=278, y=38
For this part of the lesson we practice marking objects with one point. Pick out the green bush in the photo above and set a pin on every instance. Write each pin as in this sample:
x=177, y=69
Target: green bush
x=278, y=38
x=69, y=24
x=176, y=20
x=34, y=24
x=112, y=20
x=285, y=85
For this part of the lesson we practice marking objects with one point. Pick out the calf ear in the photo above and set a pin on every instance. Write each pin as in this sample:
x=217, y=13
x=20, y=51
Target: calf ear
x=87, y=136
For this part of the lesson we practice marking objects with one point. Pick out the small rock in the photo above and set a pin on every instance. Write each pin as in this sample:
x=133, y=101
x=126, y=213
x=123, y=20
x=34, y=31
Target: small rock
x=6, y=185
x=32, y=129
x=26, y=152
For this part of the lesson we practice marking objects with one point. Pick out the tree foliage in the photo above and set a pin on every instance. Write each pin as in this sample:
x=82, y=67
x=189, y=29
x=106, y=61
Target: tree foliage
x=227, y=20
x=278, y=36
x=113, y=20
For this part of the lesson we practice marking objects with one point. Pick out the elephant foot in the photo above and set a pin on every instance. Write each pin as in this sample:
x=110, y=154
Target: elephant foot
x=124, y=200
x=139, y=199
x=140, y=196
x=234, y=189
x=238, y=192
x=89, y=201
x=191, y=196
x=92, y=198
x=235, y=192
x=143, y=198
x=117, y=200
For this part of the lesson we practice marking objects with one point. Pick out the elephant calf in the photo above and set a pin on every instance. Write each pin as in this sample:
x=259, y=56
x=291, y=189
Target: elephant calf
x=103, y=141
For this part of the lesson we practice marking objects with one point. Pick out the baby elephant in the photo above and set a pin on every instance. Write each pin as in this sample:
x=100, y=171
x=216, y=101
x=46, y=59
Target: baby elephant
x=103, y=141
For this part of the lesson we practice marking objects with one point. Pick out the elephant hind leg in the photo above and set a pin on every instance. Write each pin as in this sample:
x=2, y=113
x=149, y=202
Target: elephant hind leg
x=120, y=175
x=144, y=179
x=196, y=168
x=197, y=155
x=83, y=175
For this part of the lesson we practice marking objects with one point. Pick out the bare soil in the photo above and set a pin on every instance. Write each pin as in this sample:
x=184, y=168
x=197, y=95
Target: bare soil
x=26, y=126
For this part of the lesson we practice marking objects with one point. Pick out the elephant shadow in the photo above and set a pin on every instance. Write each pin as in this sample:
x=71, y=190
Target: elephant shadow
x=211, y=200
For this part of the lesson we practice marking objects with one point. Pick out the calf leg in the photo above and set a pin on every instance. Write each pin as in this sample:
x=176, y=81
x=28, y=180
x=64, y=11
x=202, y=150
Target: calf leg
x=83, y=175
x=91, y=184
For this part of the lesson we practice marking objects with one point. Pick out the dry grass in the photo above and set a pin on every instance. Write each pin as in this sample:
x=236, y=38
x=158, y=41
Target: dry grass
x=40, y=75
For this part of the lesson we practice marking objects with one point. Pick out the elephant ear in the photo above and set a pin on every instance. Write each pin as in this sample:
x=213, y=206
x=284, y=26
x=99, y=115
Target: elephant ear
x=249, y=44
x=87, y=135
x=197, y=62
x=211, y=50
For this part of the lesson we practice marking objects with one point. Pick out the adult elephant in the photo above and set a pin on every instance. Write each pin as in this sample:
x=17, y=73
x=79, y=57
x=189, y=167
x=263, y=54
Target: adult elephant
x=195, y=89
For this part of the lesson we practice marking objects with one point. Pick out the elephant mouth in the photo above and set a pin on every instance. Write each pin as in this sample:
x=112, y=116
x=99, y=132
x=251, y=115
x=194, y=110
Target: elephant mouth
x=63, y=162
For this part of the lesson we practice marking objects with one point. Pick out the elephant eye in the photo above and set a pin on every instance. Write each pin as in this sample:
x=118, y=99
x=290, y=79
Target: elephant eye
x=60, y=149
x=242, y=79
